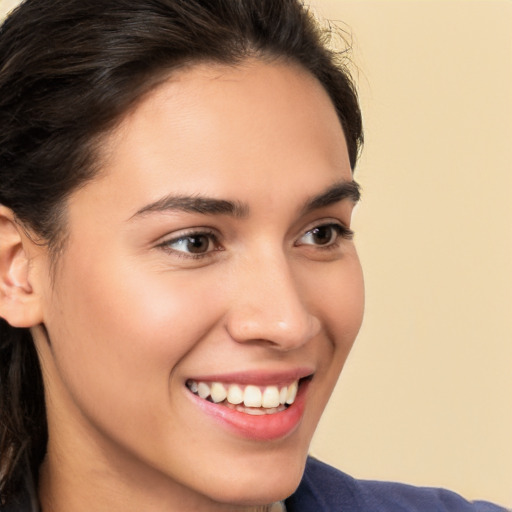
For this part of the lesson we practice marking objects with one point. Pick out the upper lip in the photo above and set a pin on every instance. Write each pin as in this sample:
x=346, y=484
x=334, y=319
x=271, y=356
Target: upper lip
x=258, y=377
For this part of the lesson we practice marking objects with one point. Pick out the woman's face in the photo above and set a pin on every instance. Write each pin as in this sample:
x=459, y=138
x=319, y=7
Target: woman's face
x=214, y=247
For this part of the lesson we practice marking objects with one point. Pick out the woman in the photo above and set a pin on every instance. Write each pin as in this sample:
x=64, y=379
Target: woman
x=179, y=284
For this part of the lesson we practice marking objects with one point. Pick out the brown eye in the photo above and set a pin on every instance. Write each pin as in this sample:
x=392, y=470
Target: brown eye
x=193, y=244
x=325, y=235
x=197, y=244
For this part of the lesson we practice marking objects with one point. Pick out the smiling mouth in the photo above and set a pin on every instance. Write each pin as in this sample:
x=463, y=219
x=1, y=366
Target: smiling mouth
x=250, y=399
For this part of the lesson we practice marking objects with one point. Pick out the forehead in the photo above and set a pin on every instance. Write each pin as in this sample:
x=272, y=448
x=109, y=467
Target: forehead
x=229, y=130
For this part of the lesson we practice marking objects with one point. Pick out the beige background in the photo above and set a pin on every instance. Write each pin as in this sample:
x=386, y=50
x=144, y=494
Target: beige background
x=6, y=6
x=426, y=397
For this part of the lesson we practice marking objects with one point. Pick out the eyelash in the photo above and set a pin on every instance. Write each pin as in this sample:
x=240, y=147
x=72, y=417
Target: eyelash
x=340, y=230
x=212, y=238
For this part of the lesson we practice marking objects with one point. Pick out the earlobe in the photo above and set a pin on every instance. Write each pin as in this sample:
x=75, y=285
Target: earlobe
x=19, y=305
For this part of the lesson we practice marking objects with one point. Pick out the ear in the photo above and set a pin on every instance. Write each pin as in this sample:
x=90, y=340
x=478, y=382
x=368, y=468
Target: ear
x=19, y=305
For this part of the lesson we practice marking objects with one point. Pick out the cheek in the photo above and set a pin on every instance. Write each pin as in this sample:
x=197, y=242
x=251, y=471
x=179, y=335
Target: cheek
x=337, y=296
x=119, y=333
x=350, y=301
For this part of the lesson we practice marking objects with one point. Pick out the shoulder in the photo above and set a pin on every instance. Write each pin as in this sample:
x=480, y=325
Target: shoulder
x=325, y=489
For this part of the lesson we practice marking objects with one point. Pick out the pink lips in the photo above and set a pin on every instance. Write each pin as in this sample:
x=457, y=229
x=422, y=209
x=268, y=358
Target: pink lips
x=265, y=427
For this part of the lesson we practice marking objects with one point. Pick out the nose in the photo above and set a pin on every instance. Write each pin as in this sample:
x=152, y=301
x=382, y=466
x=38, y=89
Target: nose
x=269, y=306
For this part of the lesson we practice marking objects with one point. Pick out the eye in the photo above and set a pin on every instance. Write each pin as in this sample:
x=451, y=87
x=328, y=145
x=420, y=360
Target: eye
x=325, y=235
x=192, y=244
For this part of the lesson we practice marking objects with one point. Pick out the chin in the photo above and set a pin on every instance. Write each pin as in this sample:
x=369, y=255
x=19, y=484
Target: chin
x=273, y=478
x=254, y=490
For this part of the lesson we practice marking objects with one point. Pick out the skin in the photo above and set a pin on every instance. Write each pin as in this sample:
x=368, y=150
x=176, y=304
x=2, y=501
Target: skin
x=128, y=320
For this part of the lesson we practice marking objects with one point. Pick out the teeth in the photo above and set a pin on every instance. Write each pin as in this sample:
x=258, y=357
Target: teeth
x=270, y=397
x=255, y=411
x=292, y=393
x=252, y=396
x=218, y=392
x=251, y=399
x=235, y=394
x=282, y=395
x=203, y=390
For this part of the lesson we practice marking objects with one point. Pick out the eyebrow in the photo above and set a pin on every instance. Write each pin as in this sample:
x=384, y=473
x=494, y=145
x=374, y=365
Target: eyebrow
x=195, y=204
x=334, y=194
x=211, y=206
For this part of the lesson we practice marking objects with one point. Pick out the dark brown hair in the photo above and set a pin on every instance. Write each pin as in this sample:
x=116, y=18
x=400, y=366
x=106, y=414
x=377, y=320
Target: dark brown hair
x=69, y=71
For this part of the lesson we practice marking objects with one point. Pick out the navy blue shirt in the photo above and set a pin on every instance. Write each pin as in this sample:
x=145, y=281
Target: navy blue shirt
x=325, y=489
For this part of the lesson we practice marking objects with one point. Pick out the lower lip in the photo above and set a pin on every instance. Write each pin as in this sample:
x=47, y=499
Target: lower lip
x=266, y=427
